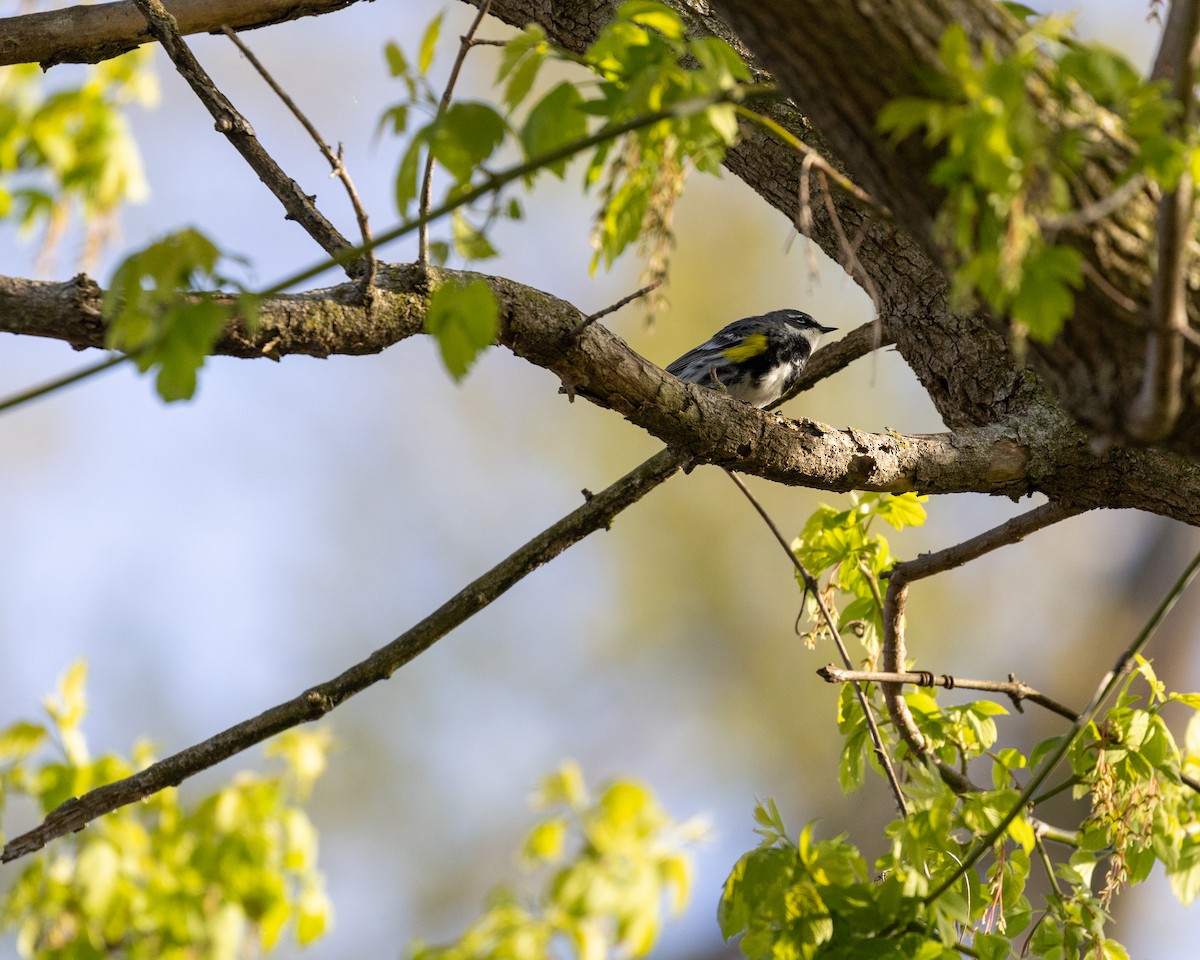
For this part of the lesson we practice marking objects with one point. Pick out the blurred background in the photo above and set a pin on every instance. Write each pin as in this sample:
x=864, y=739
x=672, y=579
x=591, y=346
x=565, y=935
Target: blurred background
x=212, y=558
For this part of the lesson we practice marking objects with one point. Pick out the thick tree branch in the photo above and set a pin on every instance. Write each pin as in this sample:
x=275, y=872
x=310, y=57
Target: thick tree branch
x=1039, y=451
x=94, y=32
x=237, y=130
x=597, y=513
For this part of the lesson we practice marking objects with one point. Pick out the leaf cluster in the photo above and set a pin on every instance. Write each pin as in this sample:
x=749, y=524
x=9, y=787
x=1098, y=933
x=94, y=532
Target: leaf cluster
x=840, y=545
x=222, y=878
x=640, y=65
x=818, y=898
x=70, y=149
x=157, y=312
x=612, y=861
x=1017, y=130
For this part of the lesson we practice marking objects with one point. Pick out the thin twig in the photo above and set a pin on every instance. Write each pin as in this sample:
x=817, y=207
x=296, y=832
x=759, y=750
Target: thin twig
x=465, y=44
x=33, y=393
x=840, y=180
x=367, y=266
x=1096, y=210
x=1108, y=685
x=1128, y=304
x=1017, y=690
x=893, y=653
x=614, y=307
x=811, y=586
x=497, y=181
x=597, y=513
x=853, y=267
x=237, y=129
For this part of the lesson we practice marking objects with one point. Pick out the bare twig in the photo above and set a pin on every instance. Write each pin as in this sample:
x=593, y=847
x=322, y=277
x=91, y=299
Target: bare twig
x=853, y=267
x=1096, y=210
x=365, y=268
x=840, y=180
x=812, y=587
x=614, y=307
x=1156, y=408
x=1108, y=685
x=597, y=513
x=1016, y=690
x=1128, y=304
x=893, y=653
x=237, y=129
x=465, y=44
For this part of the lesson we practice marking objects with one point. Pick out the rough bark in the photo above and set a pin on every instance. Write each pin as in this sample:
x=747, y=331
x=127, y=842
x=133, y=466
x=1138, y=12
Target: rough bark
x=89, y=34
x=1040, y=451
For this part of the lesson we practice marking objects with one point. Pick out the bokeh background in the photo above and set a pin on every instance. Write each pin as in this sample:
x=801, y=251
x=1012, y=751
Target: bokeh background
x=212, y=558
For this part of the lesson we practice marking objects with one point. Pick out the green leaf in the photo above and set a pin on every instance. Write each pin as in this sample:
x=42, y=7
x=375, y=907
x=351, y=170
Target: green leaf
x=720, y=62
x=406, y=177
x=313, y=915
x=1019, y=10
x=902, y=510
x=469, y=242
x=1185, y=877
x=465, y=136
x=394, y=119
x=554, y=121
x=156, y=315
x=464, y=321
x=656, y=16
x=520, y=82
x=20, y=739
x=1044, y=300
x=546, y=841
x=190, y=331
x=396, y=61
x=429, y=41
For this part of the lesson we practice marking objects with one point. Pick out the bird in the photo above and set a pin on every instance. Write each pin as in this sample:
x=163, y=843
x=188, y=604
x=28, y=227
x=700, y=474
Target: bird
x=757, y=359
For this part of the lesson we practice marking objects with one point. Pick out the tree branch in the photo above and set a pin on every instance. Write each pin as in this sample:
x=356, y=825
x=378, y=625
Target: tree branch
x=1016, y=690
x=365, y=267
x=1156, y=408
x=237, y=130
x=94, y=32
x=597, y=513
x=893, y=654
x=426, y=193
x=1038, y=452
x=1108, y=685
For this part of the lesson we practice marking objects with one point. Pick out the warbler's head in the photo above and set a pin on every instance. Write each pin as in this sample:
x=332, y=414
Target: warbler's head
x=796, y=323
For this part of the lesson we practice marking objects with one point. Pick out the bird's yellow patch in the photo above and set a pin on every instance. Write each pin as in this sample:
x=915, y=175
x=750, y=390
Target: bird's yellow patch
x=754, y=345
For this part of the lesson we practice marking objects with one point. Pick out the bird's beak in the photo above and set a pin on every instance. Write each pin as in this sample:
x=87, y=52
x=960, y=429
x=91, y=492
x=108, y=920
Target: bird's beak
x=826, y=329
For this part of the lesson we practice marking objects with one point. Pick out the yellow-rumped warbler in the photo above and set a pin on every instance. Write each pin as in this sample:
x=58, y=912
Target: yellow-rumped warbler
x=757, y=359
